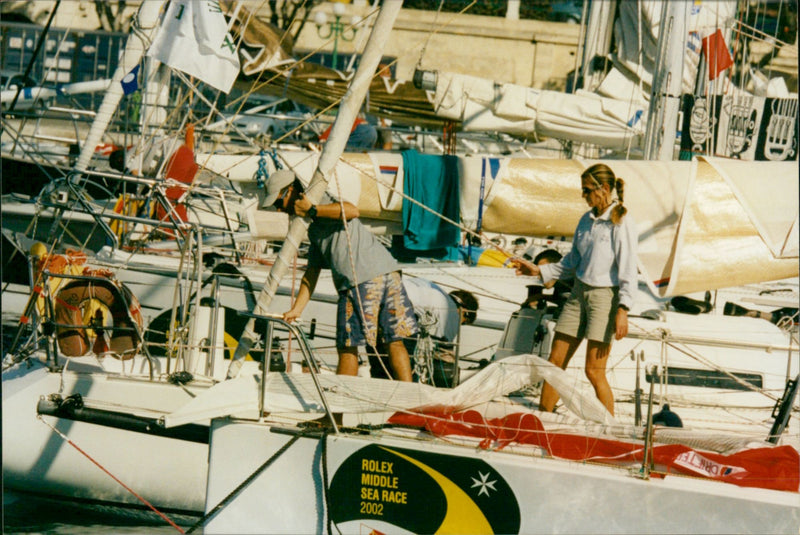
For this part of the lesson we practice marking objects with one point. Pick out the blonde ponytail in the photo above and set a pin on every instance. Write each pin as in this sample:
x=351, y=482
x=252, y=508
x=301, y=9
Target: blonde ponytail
x=619, y=210
x=602, y=174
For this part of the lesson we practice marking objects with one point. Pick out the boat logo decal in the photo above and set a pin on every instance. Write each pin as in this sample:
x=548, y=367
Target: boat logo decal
x=705, y=466
x=416, y=491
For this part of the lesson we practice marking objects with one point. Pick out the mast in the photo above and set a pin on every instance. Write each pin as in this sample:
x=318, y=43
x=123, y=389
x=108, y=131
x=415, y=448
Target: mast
x=298, y=227
x=597, y=43
x=147, y=22
x=665, y=97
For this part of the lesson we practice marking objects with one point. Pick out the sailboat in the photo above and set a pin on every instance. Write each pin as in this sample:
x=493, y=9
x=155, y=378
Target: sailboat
x=371, y=481
x=146, y=394
x=40, y=455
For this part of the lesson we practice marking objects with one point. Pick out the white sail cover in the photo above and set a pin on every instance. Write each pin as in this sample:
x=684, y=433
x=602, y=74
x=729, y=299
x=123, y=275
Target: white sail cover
x=194, y=39
x=484, y=105
x=291, y=392
x=615, y=115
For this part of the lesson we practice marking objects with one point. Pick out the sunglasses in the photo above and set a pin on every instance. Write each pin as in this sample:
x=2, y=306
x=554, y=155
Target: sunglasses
x=587, y=191
x=283, y=194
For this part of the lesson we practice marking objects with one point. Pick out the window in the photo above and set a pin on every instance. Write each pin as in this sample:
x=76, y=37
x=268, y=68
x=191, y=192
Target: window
x=707, y=379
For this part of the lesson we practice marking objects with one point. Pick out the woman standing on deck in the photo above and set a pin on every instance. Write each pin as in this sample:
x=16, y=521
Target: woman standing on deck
x=603, y=262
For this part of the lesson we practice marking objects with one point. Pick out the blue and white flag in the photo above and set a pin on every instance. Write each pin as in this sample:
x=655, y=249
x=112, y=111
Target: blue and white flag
x=130, y=82
x=194, y=39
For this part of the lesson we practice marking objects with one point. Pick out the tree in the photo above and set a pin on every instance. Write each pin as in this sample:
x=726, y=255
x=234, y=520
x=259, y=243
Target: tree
x=112, y=20
x=288, y=13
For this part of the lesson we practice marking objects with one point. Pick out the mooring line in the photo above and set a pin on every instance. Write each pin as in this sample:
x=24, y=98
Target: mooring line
x=101, y=467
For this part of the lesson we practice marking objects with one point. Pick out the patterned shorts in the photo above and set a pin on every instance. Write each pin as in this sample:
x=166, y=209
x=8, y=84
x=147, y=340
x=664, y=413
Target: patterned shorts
x=378, y=303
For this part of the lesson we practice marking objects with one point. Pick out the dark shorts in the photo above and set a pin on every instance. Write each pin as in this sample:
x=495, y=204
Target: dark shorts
x=381, y=303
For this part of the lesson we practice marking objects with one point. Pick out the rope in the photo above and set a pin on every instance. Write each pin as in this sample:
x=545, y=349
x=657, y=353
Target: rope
x=449, y=138
x=479, y=223
x=243, y=484
x=275, y=160
x=428, y=40
x=101, y=467
x=262, y=172
x=425, y=349
x=640, y=84
x=435, y=19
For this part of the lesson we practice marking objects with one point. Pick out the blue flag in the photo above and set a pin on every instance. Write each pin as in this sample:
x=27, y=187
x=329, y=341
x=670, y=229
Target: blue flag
x=130, y=82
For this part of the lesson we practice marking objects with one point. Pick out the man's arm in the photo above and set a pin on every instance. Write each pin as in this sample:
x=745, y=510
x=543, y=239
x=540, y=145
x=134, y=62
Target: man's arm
x=327, y=211
x=307, y=285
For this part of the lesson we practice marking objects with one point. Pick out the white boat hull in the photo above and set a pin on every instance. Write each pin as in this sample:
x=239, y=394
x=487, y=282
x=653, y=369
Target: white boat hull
x=381, y=484
x=168, y=473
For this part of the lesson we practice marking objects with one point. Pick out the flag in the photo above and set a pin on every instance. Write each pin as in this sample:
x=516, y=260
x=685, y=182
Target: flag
x=717, y=55
x=130, y=82
x=194, y=38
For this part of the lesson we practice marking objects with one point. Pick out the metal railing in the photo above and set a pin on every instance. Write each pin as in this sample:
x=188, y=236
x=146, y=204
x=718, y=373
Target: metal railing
x=296, y=333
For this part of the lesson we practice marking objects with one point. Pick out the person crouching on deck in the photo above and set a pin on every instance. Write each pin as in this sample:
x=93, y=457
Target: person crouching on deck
x=370, y=299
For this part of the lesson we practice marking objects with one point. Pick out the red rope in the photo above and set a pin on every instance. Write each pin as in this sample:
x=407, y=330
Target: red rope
x=449, y=137
x=126, y=487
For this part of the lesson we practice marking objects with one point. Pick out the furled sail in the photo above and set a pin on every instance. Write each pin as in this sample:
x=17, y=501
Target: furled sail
x=481, y=104
x=147, y=21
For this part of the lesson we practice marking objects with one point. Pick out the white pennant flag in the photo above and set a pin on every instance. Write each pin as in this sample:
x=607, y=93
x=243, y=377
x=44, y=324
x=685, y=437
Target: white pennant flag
x=194, y=39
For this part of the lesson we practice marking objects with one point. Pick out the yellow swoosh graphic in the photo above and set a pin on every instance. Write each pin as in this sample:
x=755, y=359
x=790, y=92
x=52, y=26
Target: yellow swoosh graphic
x=463, y=514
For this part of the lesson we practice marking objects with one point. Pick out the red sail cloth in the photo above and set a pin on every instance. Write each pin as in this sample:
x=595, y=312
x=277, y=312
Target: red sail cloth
x=182, y=168
x=776, y=468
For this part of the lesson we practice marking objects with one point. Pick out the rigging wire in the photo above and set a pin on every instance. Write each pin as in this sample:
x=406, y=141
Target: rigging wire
x=430, y=35
x=39, y=43
x=224, y=502
x=115, y=478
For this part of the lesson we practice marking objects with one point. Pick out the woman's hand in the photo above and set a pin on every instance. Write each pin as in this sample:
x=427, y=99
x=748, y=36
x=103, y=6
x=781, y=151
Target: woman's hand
x=621, y=324
x=523, y=267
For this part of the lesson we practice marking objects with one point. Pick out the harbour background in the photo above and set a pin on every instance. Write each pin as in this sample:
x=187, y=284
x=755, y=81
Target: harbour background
x=24, y=514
